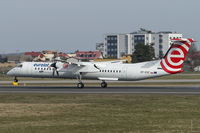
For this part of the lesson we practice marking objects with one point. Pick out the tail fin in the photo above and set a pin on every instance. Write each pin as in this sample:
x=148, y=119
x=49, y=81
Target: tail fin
x=175, y=56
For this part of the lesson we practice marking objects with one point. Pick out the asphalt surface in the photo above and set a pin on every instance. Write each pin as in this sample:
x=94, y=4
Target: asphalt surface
x=98, y=81
x=193, y=90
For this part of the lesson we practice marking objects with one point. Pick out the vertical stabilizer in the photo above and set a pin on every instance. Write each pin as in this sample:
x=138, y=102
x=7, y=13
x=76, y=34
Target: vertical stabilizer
x=175, y=56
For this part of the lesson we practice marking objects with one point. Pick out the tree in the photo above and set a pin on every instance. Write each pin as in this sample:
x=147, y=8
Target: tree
x=192, y=59
x=3, y=59
x=143, y=53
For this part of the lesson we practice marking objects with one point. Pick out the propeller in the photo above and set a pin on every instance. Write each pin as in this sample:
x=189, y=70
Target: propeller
x=54, y=69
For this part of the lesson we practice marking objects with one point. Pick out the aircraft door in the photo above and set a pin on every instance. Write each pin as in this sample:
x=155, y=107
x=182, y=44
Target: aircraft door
x=123, y=73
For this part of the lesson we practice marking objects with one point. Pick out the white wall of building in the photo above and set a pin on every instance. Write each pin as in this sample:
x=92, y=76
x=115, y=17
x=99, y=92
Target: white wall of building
x=126, y=42
x=121, y=45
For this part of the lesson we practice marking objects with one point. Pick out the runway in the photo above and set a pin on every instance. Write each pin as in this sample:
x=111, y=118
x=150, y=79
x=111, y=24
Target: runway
x=194, y=90
x=98, y=81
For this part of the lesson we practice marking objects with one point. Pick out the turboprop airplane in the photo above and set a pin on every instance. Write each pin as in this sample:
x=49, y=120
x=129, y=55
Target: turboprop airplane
x=105, y=71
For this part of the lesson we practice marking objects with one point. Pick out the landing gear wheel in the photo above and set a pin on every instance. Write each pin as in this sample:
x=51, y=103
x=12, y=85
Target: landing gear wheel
x=15, y=82
x=80, y=85
x=15, y=79
x=103, y=84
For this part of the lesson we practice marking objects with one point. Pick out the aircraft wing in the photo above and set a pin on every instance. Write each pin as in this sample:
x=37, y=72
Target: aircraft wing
x=90, y=67
x=84, y=67
x=114, y=61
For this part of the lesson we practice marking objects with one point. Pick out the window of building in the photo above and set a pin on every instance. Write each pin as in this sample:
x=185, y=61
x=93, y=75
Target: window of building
x=160, y=46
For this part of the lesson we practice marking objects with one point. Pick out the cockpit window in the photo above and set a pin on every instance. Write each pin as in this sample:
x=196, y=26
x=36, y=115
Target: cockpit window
x=20, y=65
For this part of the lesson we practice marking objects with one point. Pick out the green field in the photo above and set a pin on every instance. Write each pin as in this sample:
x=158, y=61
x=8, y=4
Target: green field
x=92, y=113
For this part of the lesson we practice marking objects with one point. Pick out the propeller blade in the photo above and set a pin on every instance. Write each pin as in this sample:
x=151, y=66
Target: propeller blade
x=54, y=69
x=57, y=73
x=53, y=72
x=53, y=65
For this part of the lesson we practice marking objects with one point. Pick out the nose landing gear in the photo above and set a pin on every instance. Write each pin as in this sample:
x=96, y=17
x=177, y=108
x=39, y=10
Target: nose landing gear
x=15, y=81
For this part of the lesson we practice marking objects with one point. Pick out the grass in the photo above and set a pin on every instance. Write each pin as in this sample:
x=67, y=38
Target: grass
x=89, y=113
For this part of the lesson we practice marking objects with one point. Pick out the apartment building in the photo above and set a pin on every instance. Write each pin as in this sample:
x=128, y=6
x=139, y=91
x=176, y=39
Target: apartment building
x=117, y=45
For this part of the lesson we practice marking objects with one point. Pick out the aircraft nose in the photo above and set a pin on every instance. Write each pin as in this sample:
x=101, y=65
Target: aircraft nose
x=10, y=73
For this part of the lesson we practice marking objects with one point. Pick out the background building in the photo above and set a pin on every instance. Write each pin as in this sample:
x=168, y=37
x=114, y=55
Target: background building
x=88, y=55
x=117, y=45
x=100, y=47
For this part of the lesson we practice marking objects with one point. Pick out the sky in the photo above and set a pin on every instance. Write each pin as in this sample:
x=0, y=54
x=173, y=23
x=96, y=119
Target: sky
x=69, y=25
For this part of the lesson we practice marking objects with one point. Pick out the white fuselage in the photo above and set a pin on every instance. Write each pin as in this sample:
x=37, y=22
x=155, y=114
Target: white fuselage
x=113, y=70
x=102, y=71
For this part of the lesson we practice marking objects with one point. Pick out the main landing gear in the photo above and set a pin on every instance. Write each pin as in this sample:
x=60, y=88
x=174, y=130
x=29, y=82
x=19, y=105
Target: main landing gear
x=103, y=84
x=80, y=84
x=15, y=81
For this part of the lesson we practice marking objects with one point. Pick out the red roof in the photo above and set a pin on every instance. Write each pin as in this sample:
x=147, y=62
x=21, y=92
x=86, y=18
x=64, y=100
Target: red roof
x=91, y=55
x=34, y=54
x=63, y=55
